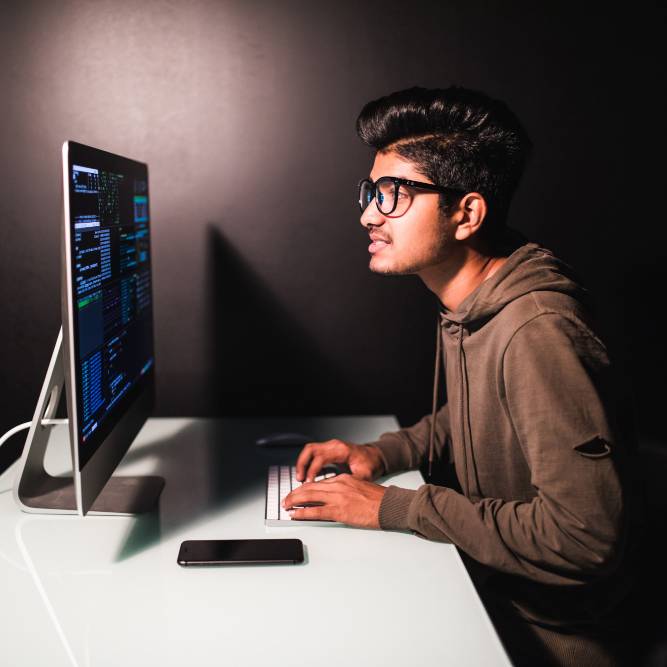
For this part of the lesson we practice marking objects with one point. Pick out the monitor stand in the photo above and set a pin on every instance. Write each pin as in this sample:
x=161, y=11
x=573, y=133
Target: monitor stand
x=35, y=490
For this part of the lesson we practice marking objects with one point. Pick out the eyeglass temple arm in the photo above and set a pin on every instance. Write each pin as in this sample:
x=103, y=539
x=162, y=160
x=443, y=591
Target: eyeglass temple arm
x=427, y=186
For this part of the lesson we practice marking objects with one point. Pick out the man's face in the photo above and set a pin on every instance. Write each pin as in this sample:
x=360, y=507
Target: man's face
x=418, y=239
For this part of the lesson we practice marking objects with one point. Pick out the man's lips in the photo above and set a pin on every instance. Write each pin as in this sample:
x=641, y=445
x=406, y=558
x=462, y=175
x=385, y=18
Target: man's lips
x=377, y=243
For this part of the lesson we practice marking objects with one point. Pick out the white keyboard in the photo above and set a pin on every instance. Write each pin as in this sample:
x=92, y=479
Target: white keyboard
x=280, y=481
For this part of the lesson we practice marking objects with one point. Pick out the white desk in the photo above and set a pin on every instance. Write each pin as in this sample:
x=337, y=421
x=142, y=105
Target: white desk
x=107, y=590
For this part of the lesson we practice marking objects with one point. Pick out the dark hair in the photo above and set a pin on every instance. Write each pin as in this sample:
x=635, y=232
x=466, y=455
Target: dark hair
x=457, y=138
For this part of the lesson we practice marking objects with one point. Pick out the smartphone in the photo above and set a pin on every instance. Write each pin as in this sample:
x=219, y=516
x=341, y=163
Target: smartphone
x=238, y=552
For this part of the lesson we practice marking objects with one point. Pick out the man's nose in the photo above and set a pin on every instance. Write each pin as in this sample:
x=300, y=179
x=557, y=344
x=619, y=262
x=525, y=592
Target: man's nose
x=371, y=216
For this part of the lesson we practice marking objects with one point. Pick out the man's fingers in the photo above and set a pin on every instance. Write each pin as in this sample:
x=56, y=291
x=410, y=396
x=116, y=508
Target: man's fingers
x=315, y=455
x=310, y=459
x=343, y=477
x=307, y=489
x=311, y=493
x=303, y=460
x=315, y=466
x=321, y=513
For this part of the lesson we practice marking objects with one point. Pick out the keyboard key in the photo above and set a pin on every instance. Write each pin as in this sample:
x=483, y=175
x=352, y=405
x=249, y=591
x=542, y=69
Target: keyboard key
x=273, y=494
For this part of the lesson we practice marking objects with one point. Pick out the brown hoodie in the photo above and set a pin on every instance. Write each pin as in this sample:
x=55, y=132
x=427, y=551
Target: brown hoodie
x=529, y=427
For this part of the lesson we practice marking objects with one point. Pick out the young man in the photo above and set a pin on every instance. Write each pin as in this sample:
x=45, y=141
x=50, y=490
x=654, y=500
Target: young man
x=542, y=504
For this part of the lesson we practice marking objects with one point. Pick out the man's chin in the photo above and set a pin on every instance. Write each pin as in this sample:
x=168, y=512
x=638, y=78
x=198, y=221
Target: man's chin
x=387, y=268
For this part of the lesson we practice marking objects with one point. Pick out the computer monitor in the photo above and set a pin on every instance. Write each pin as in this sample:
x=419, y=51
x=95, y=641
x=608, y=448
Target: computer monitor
x=104, y=356
x=107, y=310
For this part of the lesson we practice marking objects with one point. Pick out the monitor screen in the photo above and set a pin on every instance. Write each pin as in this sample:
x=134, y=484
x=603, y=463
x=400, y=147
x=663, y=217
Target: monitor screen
x=110, y=272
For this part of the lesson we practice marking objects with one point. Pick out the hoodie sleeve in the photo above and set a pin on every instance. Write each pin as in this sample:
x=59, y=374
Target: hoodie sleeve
x=408, y=448
x=571, y=531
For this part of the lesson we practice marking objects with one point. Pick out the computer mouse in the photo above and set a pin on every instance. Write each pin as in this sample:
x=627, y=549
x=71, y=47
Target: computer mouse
x=284, y=440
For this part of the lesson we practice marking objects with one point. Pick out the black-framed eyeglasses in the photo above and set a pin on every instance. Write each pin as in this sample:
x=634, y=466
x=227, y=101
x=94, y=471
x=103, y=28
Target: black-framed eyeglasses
x=391, y=194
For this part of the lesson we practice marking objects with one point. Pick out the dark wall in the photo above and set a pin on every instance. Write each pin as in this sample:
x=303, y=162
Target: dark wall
x=245, y=113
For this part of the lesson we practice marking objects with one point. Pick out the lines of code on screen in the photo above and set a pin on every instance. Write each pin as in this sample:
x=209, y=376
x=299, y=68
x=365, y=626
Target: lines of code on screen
x=111, y=288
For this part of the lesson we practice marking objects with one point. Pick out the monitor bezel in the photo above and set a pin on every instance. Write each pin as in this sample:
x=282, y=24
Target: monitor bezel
x=116, y=436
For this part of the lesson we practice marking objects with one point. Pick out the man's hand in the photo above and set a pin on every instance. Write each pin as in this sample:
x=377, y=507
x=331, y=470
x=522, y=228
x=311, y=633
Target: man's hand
x=342, y=498
x=365, y=461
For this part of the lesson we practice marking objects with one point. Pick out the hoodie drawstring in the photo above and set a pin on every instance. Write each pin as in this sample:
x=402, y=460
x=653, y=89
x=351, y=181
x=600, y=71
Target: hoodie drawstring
x=461, y=402
x=436, y=380
x=466, y=429
x=464, y=410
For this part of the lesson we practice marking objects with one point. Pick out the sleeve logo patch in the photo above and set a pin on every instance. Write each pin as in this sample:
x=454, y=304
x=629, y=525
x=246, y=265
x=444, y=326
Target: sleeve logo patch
x=595, y=448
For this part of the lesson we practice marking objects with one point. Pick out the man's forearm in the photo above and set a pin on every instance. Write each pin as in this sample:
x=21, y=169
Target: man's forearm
x=512, y=536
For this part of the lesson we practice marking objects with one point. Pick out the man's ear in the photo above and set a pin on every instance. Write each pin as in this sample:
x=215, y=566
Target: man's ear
x=471, y=213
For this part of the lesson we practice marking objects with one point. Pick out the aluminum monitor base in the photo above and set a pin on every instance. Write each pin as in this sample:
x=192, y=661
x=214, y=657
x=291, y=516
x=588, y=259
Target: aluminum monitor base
x=35, y=490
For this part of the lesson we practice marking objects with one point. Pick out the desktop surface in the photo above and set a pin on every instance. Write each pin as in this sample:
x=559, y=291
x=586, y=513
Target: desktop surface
x=108, y=590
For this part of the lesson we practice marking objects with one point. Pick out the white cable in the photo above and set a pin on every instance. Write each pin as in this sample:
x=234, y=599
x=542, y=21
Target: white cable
x=13, y=431
x=21, y=427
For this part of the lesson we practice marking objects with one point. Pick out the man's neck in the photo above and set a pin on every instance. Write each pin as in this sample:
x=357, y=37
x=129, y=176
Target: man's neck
x=452, y=281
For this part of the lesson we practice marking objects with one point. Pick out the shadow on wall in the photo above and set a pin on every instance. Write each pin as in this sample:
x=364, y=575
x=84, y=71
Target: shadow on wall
x=262, y=362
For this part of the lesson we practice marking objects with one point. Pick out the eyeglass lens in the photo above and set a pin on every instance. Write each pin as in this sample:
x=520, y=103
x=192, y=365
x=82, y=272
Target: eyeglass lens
x=385, y=191
x=366, y=194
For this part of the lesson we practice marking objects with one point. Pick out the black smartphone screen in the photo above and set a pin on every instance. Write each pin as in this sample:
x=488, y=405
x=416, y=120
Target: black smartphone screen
x=235, y=552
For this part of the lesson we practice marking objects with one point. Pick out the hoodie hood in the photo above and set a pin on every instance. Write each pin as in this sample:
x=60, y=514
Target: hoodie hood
x=530, y=268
